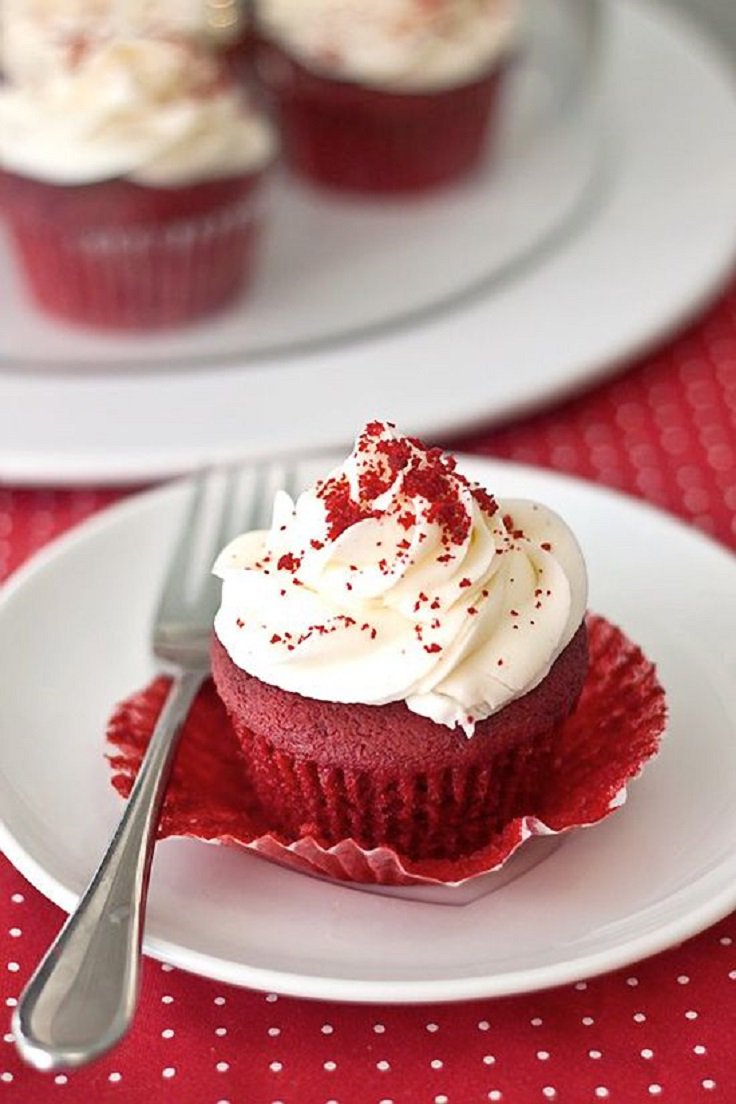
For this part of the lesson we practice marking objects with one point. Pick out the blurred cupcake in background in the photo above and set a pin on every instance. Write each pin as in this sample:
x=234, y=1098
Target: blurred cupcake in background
x=385, y=95
x=36, y=33
x=131, y=171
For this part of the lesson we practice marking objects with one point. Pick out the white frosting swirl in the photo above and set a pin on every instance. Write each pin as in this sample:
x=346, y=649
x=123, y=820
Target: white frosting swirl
x=394, y=44
x=156, y=111
x=397, y=579
x=35, y=34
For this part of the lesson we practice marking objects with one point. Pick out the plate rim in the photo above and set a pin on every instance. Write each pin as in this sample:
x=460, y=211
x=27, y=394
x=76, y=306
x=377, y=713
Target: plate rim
x=147, y=460
x=364, y=990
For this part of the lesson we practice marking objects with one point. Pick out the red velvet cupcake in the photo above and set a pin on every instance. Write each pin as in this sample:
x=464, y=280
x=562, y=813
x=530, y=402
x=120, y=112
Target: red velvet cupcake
x=384, y=98
x=136, y=213
x=399, y=653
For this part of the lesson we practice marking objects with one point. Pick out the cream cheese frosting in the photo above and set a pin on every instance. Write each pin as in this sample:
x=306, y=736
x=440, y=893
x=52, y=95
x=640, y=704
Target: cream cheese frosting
x=35, y=34
x=156, y=111
x=394, y=44
x=396, y=578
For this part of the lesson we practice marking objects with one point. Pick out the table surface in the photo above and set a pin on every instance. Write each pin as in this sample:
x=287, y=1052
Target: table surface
x=665, y=430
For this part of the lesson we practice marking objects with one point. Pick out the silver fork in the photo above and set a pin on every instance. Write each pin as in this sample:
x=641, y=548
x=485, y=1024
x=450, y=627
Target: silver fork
x=82, y=998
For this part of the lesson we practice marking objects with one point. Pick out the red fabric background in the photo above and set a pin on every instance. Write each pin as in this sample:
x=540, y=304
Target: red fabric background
x=662, y=1030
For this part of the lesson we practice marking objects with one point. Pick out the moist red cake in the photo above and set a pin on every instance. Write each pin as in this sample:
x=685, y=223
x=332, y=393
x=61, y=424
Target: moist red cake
x=383, y=775
x=357, y=138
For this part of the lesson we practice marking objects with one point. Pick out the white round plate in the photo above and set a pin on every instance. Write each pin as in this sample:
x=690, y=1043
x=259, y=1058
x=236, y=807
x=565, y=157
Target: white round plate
x=622, y=279
x=73, y=628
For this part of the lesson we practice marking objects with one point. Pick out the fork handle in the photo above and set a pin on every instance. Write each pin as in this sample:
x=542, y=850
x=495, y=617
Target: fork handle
x=82, y=997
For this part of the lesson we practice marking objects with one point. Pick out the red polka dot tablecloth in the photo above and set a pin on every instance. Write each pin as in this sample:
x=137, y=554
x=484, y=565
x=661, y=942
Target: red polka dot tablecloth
x=661, y=1030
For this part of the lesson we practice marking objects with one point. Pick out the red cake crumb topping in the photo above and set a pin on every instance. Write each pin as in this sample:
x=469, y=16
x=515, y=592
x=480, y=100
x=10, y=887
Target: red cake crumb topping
x=425, y=490
x=77, y=47
x=513, y=532
x=419, y=473
x=342, y=510
x=486, y=501
x=289, y=562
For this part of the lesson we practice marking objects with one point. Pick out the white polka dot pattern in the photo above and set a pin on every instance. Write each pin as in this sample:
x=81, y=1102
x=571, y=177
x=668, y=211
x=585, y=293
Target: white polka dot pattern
x=666, y=430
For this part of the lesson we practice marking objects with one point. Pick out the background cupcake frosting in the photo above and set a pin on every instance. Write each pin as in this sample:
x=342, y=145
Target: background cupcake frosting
x=36, y=34
x=410, y=44
x=156, y=111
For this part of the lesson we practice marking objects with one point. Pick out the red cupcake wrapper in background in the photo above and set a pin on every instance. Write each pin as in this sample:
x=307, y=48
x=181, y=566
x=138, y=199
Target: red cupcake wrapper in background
x=358, y=138
x=615, y=729
x=119, y=255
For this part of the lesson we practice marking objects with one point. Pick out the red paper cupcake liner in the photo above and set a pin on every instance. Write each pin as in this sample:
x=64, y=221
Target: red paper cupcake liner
x=352, y=137
x=605, y=743
x=419, y=815
x=439, y=804
x=121, y=256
